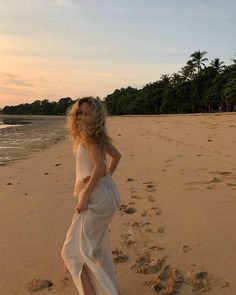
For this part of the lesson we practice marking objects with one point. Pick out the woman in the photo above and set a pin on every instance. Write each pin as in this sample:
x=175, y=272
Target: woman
x=87, y=251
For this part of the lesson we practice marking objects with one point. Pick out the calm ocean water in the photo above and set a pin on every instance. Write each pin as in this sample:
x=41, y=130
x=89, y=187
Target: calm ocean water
x=21, y=135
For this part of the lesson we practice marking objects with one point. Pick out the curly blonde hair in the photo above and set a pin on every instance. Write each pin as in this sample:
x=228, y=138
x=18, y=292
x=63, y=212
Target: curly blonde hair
x=90, y=128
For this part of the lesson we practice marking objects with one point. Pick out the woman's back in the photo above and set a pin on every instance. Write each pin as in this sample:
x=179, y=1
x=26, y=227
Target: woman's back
x=84, y=167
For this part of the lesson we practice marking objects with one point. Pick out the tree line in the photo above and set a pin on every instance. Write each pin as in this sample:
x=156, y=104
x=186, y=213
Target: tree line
x=196, y=87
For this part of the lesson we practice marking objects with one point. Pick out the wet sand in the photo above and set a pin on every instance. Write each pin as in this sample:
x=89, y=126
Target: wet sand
x=23, y=135
x=176, y=226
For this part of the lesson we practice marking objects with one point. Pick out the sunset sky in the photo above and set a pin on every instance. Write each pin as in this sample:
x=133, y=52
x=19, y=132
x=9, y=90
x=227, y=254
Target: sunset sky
x=57, y=48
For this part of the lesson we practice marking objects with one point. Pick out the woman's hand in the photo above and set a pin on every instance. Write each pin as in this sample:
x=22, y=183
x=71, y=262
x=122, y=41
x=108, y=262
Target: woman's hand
x=82, y=203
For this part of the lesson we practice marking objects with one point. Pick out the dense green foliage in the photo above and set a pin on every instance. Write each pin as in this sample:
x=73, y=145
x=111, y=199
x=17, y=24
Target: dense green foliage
x=44, y=107
x=195, y=88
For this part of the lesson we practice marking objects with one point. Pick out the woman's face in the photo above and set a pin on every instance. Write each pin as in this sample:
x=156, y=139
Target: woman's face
x=84, y=110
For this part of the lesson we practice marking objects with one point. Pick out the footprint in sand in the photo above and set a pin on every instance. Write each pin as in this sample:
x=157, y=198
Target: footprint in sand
x=131, y=203
x=168, y=282
x=125, y=236
x=119, y=256
x=232, y=185
x=156, y=210
x=225, y=285
x=67, y=276
x=66, y=280
x=221, y=172
x=132, y=190
x=128, y=242
x=140, y=223
x=123, y=206
x=144, y=213
x=199, y=280
x=136, y=197
x=214, y=180
x=150, y=186
x=210, y=187
x=158, y=248
x=146, y=264
x=225, y=174
x=169, y=160
x=149, y=230
x=186, y=248
x=39, y=284
x=161, y=229
x=151, y=199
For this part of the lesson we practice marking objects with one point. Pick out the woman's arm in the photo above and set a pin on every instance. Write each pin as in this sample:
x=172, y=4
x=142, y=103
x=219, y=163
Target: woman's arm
x=115, y=158
x=98, y=165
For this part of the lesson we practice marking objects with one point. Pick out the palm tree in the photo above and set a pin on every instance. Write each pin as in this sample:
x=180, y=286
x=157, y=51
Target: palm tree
x=198, y=60
x=187, y=71
x=176, y=79
x=234, y=60
x=216, y=64
x=192, y=68
x=165, y=79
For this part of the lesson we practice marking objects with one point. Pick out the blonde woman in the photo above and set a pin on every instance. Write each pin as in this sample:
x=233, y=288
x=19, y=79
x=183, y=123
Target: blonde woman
x=87, y=251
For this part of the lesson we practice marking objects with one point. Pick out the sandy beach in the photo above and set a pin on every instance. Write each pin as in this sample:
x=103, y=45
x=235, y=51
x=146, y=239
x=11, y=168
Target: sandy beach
x=177, y=180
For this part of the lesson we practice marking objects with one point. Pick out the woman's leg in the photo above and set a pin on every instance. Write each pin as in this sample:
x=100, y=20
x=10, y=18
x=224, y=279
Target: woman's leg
x=87, y=286
x=68, y=253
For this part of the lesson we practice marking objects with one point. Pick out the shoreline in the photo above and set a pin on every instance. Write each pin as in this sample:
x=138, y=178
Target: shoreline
x=129, y=115
x=26, y=135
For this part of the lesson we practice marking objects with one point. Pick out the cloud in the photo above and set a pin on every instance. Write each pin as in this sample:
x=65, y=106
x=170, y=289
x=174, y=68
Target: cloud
x=15, y=91
x=8, y=75
x=14, y=80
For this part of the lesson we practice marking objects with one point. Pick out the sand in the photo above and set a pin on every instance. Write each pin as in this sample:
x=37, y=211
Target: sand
x=177, y=180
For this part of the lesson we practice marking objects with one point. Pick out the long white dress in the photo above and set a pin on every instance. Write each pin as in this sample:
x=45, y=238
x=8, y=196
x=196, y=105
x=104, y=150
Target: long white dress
x=88, y=239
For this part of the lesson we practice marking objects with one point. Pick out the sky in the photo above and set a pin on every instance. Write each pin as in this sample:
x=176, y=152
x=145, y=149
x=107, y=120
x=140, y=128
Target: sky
x=51, y=49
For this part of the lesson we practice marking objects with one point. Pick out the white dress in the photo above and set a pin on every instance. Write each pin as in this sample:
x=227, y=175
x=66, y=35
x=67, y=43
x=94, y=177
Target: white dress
x=88, y=239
